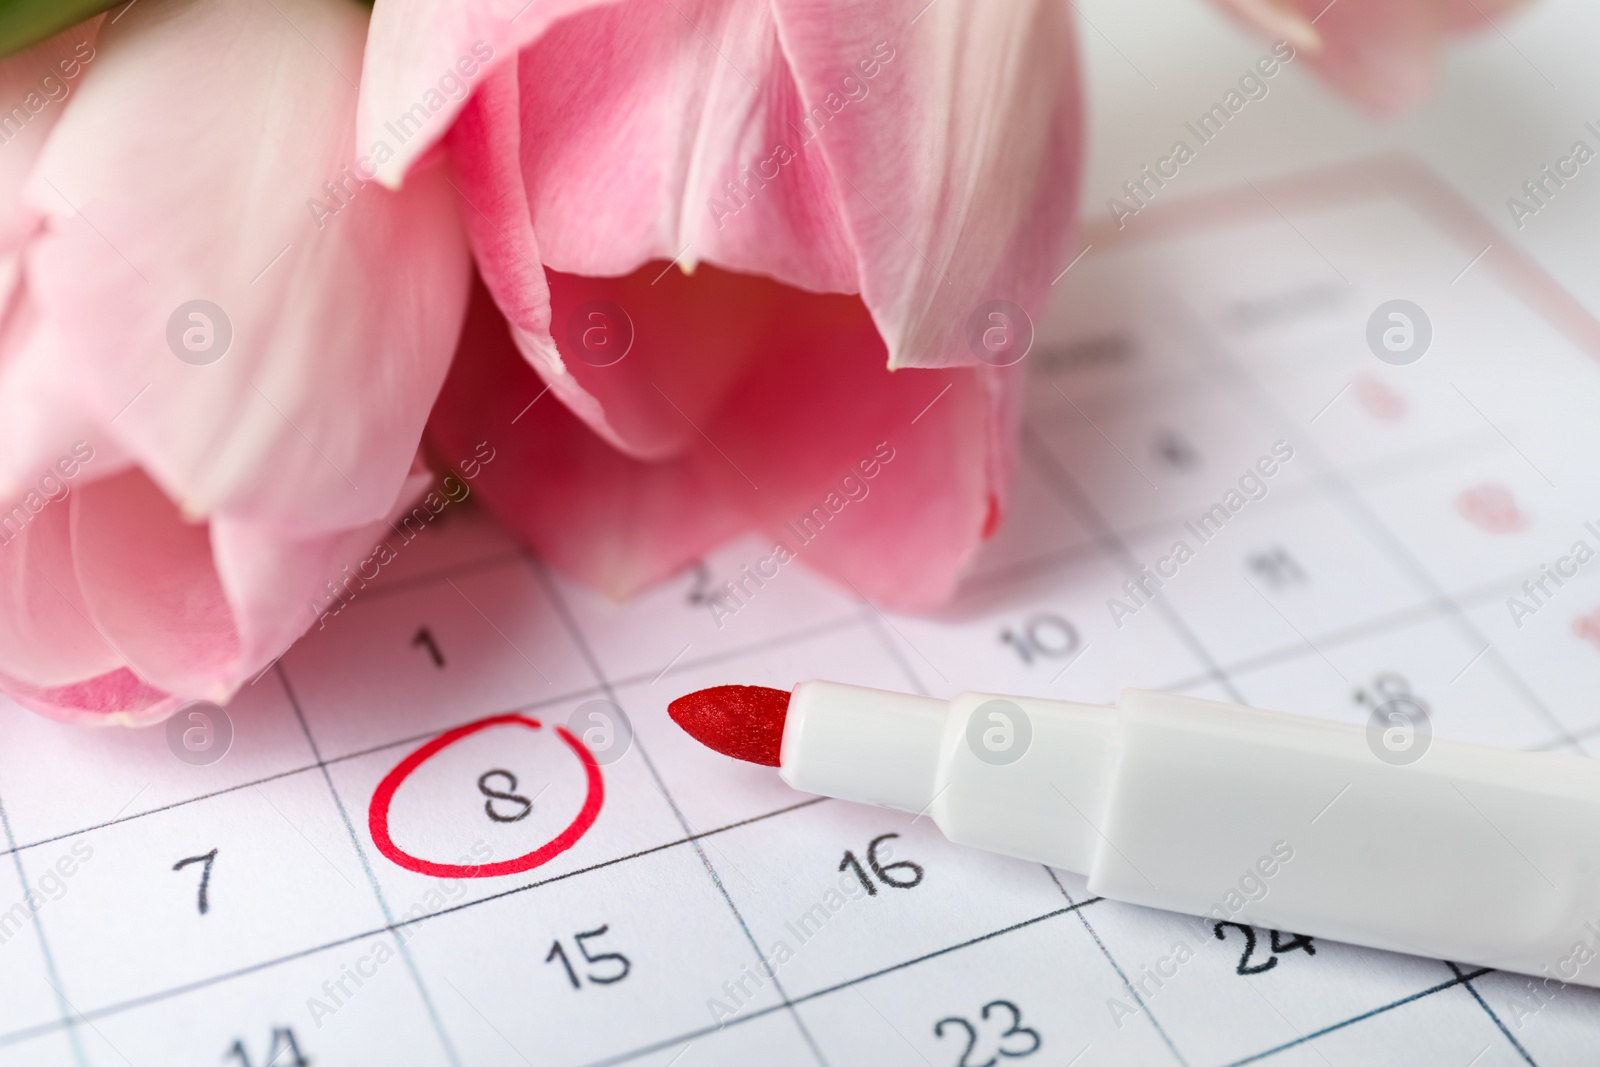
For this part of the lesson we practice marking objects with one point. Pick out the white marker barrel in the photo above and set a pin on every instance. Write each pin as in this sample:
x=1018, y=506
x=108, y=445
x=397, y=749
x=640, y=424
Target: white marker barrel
x=1468, y=853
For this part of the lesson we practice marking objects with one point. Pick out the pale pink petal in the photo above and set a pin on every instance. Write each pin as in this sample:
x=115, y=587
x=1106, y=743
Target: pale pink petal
x=36, y=85
x=816, y=403
x=637, y=120
x=115, y=698
x=616, y=159
x=342, y=320
x=958, y=172
x=40, y=408
x=1383, y=54
x=277, y=587
x=46, y=638
x=150, y=587
x=616, y=522
x=135, y=611
x=424, y=57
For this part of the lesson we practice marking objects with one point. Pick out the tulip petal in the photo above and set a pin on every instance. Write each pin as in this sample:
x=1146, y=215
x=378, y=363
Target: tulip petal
x=429, y=54
x=46, y=637
x=650, y=131
x=616, y=522
x=615, y=161
x=150, y=587
x=926, y=159
x=344, y=298
x=958, y=173
x=277, y=588
x=115, y=698
x=807, y=415
x=135, y=611
x=1383, y=54
x=40, y=408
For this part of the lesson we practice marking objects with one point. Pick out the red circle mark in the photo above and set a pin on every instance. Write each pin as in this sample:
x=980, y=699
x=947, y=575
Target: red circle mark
x=378, y=811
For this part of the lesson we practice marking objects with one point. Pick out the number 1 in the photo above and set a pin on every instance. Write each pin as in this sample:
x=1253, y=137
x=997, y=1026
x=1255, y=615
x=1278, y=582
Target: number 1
x=425, y=638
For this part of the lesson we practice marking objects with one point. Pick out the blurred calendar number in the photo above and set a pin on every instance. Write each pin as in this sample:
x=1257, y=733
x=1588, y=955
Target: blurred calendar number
x=1279, y=945
x=1388, y=686
x=1015, y=1041
x=1276, y=567
x=700, y=592
x=1175, y=451
x=1044, y=635
x=283, y=1045
x=206, y=858
x=425, y=639
x=882, y=870
x=505, y=794
x=622, y=965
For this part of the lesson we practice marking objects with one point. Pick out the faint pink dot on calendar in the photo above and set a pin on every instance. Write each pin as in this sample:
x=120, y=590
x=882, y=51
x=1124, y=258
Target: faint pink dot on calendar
x=500, y=796
x=1491, y=508
x=1588, y=627
x=1380, y=400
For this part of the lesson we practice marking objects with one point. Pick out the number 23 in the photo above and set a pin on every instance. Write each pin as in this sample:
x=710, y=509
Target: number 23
x=1016, y=1029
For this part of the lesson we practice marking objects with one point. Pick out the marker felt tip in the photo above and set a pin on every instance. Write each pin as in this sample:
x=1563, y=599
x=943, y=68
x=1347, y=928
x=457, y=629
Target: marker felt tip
x=1470, y=854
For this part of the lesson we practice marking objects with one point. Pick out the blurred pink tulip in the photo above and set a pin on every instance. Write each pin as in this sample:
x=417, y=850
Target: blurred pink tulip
x=1383, y=54
x=236, y=460
x=845, y=183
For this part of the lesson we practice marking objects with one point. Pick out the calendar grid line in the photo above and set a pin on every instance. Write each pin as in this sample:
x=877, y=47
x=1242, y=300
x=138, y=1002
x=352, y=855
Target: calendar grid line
x=579, y=638
x=1355, y=505
x=1362, y=1017
x=1063, y=483
x=64, y=835
x=1290, y=496
x=53, y=975
x=1071, y=494
x=401, y=947
x=1493, y=1015
x=870, y=619
x=1122, y=976
x=837, y=987
x=1400, y=617
x=408, y=583
x=802, y=634
x=1377, y=624
x=28, y=1033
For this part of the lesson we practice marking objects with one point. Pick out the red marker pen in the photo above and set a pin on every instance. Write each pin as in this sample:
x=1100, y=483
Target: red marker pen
x=1380, y=836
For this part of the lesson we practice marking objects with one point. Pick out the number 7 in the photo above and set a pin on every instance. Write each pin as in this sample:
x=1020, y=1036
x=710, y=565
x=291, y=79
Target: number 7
x=205, y=875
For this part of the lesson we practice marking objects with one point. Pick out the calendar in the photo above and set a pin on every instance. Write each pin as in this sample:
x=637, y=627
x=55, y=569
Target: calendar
x=453, y=825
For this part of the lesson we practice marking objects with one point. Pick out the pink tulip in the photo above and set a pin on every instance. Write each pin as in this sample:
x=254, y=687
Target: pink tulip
x=847, y=184
x=208, y=502
x=846, y=188
x=1381, y=53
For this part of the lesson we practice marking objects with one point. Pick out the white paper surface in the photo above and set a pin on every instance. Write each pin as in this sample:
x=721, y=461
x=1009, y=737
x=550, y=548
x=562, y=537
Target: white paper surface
x=1382, y=554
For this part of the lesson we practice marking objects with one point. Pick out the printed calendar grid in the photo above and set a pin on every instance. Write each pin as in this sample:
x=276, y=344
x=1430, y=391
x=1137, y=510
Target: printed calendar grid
x=1435, y=602
x=71, y=1017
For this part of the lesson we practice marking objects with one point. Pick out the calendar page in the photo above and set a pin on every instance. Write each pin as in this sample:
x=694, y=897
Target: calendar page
x=454, y=825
